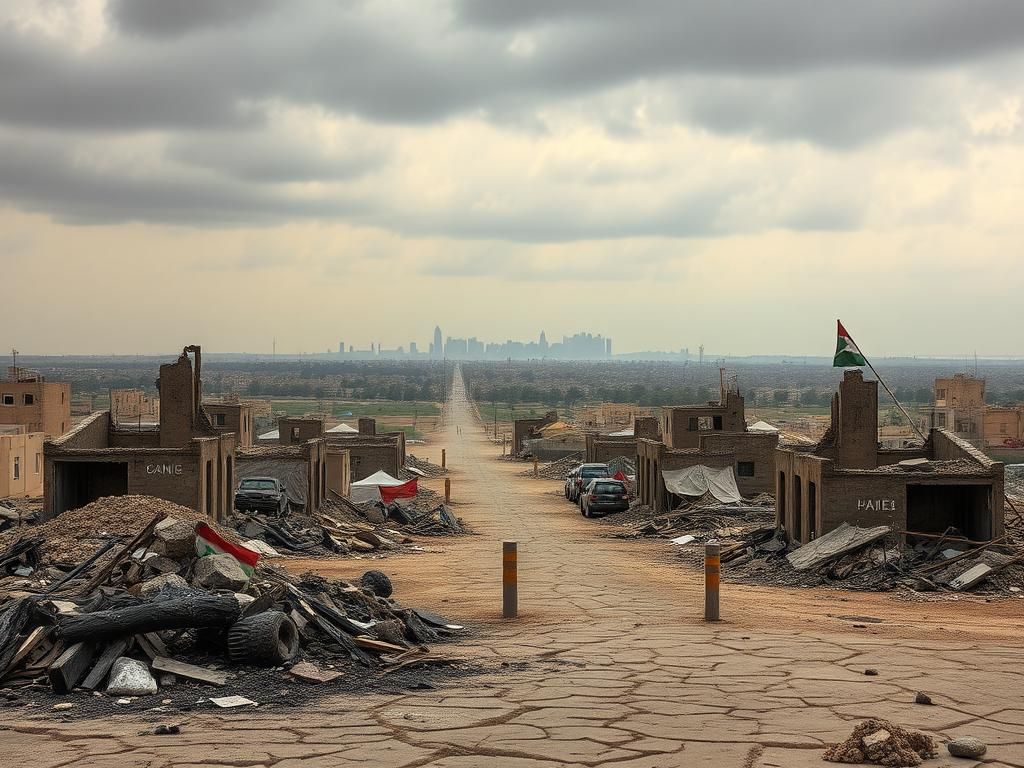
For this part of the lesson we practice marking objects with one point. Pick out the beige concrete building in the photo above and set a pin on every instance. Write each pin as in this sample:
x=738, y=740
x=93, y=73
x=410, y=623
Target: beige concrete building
x=27, y=399
x=21, y=462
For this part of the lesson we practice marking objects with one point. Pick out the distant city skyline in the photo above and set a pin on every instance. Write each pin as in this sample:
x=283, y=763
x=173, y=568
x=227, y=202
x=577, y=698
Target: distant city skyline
x=580, y=346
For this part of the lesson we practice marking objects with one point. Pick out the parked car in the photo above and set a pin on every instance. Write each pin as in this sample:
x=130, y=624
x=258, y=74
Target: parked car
x=570, y=481
x=262, y=494
x=604, y=495
x=585, y=474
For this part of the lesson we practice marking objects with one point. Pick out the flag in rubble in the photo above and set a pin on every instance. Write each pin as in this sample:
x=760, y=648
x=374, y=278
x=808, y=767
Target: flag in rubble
x=847, y=353
x=404, y=491
x=209, y=542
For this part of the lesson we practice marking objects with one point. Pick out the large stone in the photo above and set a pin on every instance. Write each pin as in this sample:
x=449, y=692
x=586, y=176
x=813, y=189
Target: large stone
x=220, y=571
x=967, y=746
x=174, y=538
x=130, y=677
x=169, y=581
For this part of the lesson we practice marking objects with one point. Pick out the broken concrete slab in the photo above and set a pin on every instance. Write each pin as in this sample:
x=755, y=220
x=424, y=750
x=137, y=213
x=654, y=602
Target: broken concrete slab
x=835, y=543
x=971, y=577
x=219, y=571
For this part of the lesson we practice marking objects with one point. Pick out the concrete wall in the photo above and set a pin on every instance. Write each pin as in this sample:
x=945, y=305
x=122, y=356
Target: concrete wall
x=603, y=449
x=682, y=426
x=48, y=412
x=295, y=431
x=21, y=465
x=91, y=432
x=178, y=406
x=232, y=417
x=646, y=428
x=339, y=470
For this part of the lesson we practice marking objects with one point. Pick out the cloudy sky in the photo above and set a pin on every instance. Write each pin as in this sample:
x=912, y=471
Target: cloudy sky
x=665, y=172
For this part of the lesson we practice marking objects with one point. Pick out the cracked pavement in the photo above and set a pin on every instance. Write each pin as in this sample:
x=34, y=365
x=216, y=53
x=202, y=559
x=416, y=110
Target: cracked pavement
x=609, y=664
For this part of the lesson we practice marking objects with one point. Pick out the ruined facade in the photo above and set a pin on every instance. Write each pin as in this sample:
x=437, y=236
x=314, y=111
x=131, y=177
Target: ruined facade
x=524, y=429
x=182, y=459
x=846, y=477
x=302, y=468
x=713, y=435
x=133, y=404
x=29, y=400
x=370, y=451
x=236, y=418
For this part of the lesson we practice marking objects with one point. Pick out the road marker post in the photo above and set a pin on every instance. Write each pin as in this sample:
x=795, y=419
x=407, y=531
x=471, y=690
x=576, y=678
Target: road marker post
x=712, y=579
x=443, y=459
x=509, y=579
x=447, y=490
x=535, y=466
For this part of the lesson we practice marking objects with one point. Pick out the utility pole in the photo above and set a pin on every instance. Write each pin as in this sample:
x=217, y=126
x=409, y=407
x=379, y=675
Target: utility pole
x=14, y=354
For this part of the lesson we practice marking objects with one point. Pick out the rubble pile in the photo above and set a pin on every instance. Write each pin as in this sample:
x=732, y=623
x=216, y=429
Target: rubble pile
x=879, y=742
x=423, y=467
x=16, y=512
x=705, y=516
x=175, y=609
x=555, y=470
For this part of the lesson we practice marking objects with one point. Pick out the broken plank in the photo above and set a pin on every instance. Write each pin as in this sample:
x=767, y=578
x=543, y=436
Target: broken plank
x=101, y=668
x=836, y=543
x=373, y=644
x=34, y=639
x=189, y=671
x=151, y=645
x=67, y=670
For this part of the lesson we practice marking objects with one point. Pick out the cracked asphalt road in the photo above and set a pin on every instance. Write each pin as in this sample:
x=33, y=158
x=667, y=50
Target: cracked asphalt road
x=609, y=663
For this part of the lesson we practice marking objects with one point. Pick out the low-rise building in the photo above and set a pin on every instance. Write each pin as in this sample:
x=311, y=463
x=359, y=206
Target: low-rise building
x=846, y=477
x=21, y=462
x=526, y=429
x=183, y=458
x=236, y=418
x=29, y=400
x=713, y=435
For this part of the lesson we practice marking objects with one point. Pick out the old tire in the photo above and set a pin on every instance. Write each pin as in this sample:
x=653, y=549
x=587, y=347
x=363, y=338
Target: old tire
x=377, y=582
x=269, y=638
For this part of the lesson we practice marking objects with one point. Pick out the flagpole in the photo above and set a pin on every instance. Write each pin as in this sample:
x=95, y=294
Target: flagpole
x=886, y=387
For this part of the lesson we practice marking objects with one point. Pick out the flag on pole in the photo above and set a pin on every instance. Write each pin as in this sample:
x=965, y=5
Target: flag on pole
x=847, y=353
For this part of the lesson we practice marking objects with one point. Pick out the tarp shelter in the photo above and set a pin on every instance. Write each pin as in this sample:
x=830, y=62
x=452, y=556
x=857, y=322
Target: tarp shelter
x=345, y=428
x=269, y=437
x=292, y=471
x=762, y=426
x=698, y=480
x=368, y=489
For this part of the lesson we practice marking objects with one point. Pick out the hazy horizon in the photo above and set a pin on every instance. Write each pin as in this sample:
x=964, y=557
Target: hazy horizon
x=667, y=174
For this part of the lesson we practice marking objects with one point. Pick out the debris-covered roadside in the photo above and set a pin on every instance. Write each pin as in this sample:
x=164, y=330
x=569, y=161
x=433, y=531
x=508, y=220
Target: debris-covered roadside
x=416, y=467
x=755, y=551
x=554, y=470
x=173, y=608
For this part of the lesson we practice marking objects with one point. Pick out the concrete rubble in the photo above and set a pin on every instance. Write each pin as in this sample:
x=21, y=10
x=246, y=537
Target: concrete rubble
x=106, y=620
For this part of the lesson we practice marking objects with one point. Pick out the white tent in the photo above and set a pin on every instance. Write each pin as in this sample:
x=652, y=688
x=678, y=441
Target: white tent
x=266, y=437
x=344, y=428
x=762, y=426
x=368, y=489
x=698, y=480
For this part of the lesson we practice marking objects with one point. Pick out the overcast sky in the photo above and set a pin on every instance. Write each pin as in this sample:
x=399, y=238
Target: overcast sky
x=668, y=173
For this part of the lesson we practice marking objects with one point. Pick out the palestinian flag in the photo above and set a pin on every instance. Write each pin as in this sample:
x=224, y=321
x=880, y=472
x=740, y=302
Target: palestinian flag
x=847, y=353
x=209, y=542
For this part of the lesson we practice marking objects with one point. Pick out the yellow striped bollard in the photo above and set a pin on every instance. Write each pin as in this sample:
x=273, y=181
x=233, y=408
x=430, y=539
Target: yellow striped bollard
x=712, y=578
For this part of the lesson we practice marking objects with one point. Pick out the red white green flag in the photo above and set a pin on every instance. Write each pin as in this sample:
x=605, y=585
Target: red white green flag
x=847, y=353
x=209, y=542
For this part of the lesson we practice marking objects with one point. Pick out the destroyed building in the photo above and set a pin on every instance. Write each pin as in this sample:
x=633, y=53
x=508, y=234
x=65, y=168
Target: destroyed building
x=713, y=436
x=603, y=447
x=183, y=458
x=526, y=429
x=369, y=451
x=133, y=404
x=847, y=478
x=959, y=406
x=235, y=418
x=29, y=400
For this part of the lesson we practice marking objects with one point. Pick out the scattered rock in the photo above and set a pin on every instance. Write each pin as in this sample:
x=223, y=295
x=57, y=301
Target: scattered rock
x=63, y=706
x=130, y=677
x=967, y=746
x=312, y=673
x=871, y=672
x=376, y=515
x=167, y=730
x=167, y=680
x=162, y=564
x=377, y=582
x=219, y=571
x=174, y=538
x=169, y=581
x=923, y=698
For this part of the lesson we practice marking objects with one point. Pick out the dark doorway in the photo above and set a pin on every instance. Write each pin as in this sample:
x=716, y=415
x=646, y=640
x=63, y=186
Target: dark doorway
x=77, y=483
x=934, y=508
x=812, y=510
x=209, y=488
x=782, y=499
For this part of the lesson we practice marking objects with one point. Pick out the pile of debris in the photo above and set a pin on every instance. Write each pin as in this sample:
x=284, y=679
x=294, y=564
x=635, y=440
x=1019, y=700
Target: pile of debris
x=879, y=742
x=18, y=512
x=704, y=517
x=424, y=515
x=555, y=470
x=416, y=467
x=177, y=605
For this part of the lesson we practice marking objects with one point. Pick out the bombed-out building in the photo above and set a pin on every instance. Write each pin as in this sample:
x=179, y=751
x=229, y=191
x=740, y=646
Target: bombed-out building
x=370, y=451
x=846, y=477
x=713, y=435
x=526, y=429
x=603, y=447
x=182, y=458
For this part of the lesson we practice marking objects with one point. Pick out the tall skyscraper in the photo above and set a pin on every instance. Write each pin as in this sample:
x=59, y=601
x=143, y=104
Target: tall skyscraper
x=543, y=343
x=438, y=342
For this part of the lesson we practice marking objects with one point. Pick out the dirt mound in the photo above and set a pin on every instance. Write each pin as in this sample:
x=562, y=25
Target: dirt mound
x=77, y=533
x=879, y=742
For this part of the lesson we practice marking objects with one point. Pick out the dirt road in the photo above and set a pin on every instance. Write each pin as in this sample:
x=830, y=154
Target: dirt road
x=609, y=662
